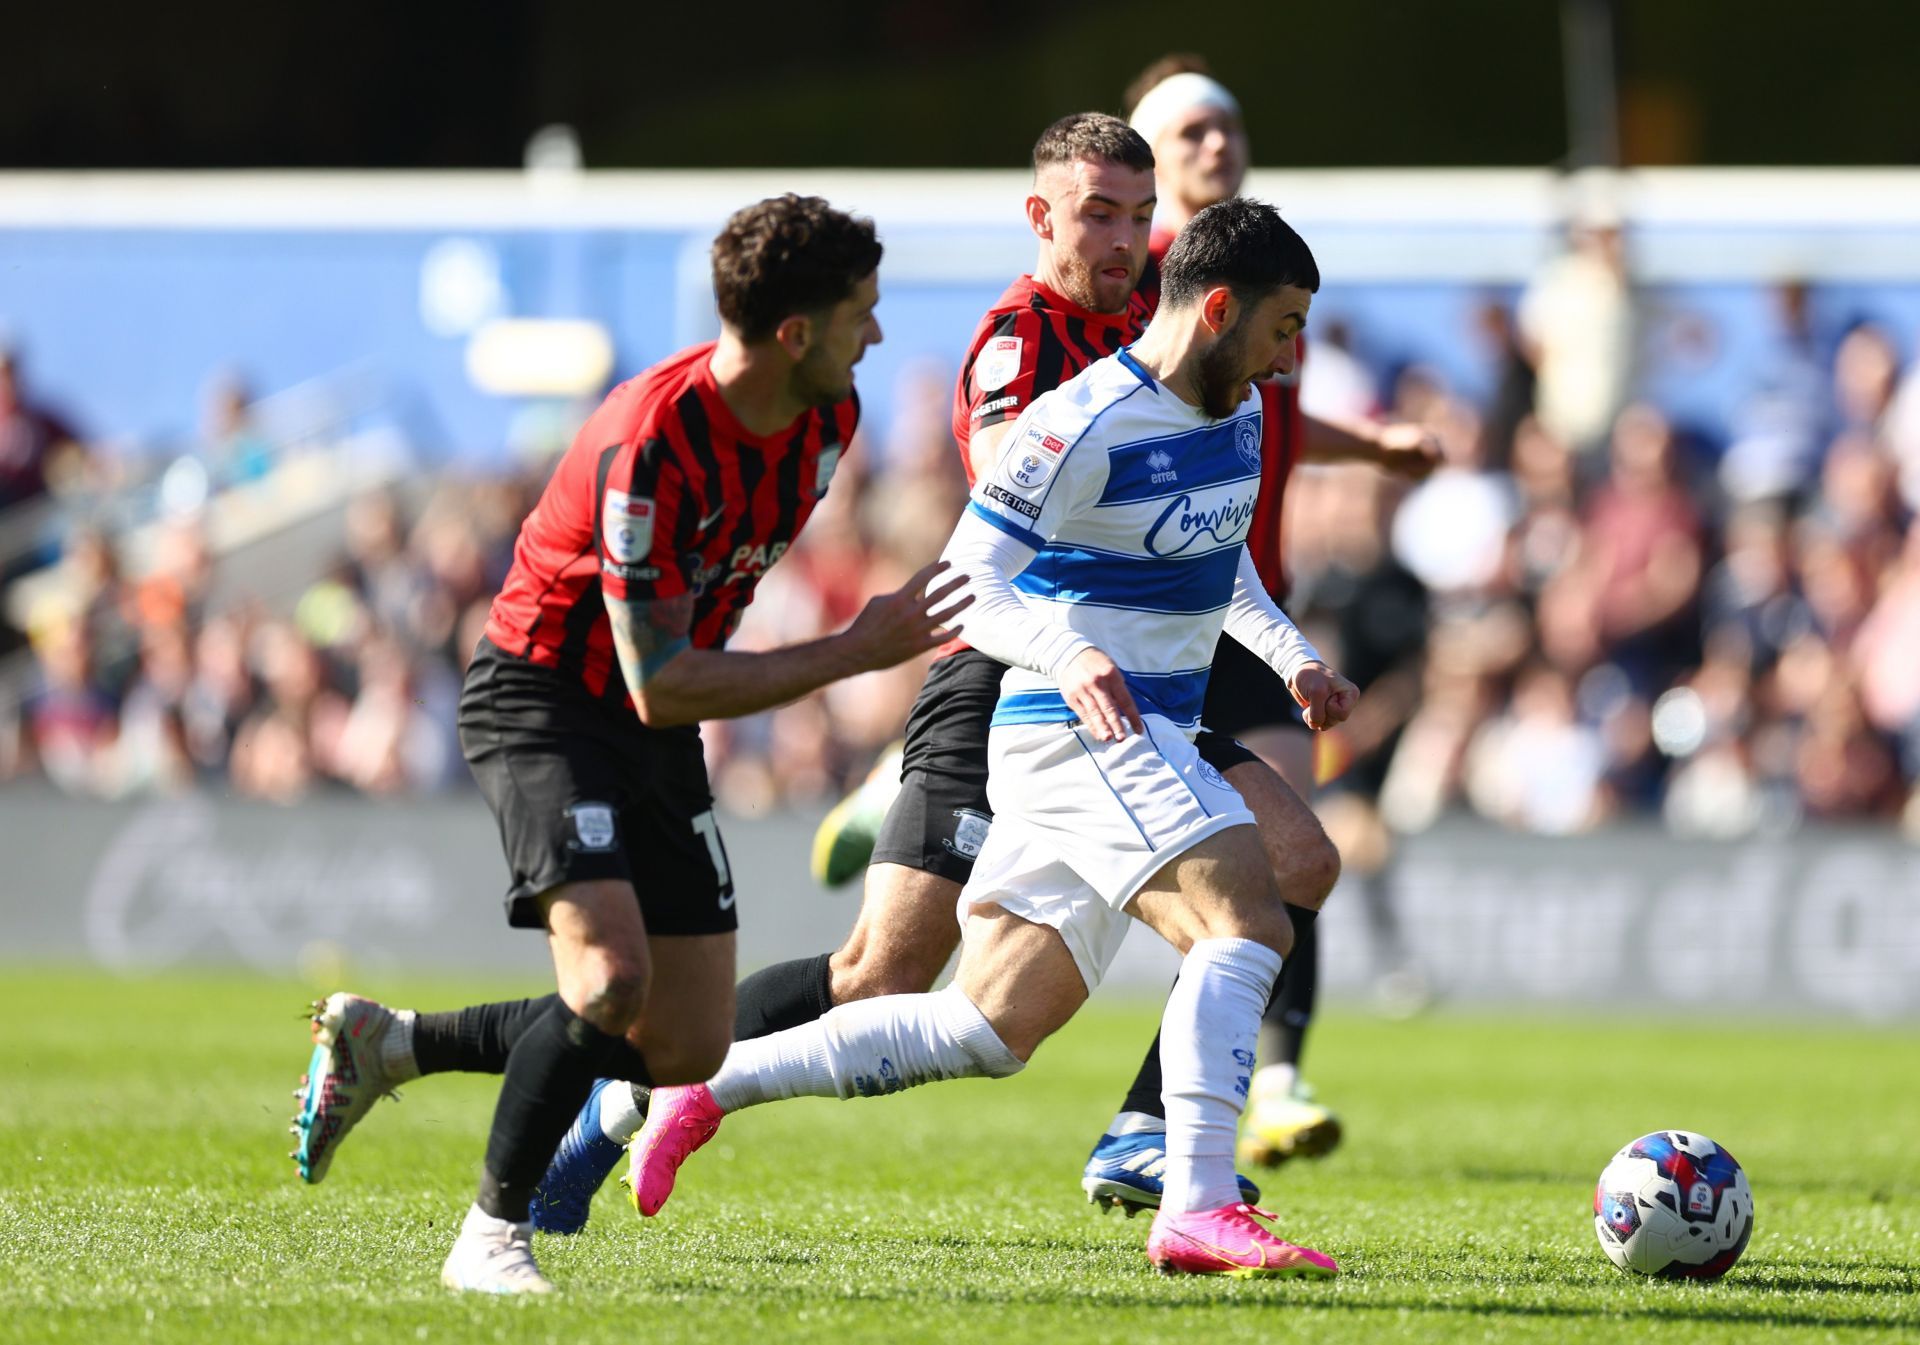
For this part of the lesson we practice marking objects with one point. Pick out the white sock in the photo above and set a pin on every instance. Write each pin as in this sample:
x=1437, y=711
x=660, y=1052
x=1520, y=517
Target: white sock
x=865, y=1049
x=1137, y=1123
x=396, y=1048
x=1274, y=1080
x=1206, y=1062
x=620, y=1117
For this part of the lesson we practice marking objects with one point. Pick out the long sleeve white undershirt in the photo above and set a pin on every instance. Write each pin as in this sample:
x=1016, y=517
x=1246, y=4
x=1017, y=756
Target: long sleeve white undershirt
x=999, y=625
x=1257, y=622
x=1002, y=627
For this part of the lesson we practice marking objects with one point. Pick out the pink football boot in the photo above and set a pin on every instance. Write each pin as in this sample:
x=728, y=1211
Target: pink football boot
x=679, y=1120
x=1228, y=1241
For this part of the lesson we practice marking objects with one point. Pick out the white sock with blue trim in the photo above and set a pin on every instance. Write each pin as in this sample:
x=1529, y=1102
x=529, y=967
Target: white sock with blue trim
x=864, y=1049
x=1206, y=1062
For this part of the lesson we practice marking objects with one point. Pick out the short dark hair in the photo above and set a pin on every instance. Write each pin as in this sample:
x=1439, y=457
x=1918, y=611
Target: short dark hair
x=1162, y=70
x=1242, y=244
x=786, y=255
x=1092, y=135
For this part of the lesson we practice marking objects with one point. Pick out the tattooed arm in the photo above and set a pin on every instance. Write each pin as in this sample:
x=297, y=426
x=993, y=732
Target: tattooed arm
x=674, y=683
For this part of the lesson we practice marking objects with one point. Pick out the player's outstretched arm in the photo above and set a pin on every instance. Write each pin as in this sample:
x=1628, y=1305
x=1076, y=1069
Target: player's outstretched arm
x=1403, y=448
x=674, y=683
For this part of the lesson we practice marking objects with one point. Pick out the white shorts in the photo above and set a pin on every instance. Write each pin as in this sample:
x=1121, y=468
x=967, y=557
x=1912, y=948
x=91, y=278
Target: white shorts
x=1079, y=826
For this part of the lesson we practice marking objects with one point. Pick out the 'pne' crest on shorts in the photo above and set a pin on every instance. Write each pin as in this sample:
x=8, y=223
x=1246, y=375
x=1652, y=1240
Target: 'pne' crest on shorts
x=593, y=828
x=969, y=832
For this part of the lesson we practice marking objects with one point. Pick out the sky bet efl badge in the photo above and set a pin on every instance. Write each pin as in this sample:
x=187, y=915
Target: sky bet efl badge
x=999, y=361
x=626, y=526
x=1028, y=470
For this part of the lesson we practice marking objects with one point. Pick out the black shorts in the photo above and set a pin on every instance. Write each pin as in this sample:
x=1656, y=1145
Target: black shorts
x=1244, y=694
x=940, y=817
x=584, y=791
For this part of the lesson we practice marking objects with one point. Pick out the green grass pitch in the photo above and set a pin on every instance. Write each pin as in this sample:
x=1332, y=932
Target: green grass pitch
x=145, y=1193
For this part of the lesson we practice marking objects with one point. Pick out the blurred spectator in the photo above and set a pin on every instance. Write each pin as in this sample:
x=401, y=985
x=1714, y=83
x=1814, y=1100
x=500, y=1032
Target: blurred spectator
x=1886, y=655
x=1547, y=536
x=1577, y=324
x=70, y=718
x=1452, y=530
x=1334, y=384
x=1537, y=766
x=1779, y=426
x=151, y=753
x=1750, y=597
x=1866, y=371
x=1630, y=592
x=1514, y=383
x=1844, y=767
x=235, y=449
x=1902, y=433
x=32, y=438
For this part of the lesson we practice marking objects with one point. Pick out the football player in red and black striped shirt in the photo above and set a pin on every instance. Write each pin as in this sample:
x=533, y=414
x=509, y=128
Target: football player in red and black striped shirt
x=603, y=652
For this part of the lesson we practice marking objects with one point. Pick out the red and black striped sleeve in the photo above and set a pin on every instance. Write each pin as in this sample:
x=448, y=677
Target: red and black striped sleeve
x=998, y=381
x=641, y=509
x=1282, y=433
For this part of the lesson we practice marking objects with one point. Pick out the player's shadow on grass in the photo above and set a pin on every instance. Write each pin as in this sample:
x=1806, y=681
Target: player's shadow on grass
x=1817, y=1279
x=1308, y=1298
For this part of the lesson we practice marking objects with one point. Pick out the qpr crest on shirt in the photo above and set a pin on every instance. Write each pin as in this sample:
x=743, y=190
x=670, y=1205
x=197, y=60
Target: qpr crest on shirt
x=1249, y=445
x=626, y=526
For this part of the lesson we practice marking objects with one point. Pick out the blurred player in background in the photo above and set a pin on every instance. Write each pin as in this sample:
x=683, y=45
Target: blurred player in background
x=1106, y=550
x=581, y=711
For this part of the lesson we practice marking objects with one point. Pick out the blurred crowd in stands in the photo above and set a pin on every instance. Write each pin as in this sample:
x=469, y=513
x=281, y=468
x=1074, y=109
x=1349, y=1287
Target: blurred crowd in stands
x=1589, y=612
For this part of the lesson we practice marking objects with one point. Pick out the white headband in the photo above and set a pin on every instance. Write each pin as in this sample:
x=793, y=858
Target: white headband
x=1176, y=94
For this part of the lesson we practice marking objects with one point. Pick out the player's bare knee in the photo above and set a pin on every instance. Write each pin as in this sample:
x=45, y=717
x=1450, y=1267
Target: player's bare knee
x=608, y=991
x=1310, y=873
x=1262, y=919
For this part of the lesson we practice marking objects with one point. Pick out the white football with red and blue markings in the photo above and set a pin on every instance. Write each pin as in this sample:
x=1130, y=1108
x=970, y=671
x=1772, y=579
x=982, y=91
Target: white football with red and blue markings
x=1673, y=1203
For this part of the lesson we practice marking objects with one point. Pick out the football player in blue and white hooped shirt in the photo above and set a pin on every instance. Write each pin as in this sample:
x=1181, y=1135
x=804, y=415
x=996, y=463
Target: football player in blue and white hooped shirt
x=1106, y=553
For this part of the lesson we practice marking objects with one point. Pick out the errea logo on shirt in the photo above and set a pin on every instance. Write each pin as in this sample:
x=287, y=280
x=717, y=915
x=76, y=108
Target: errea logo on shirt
x=1160, y=464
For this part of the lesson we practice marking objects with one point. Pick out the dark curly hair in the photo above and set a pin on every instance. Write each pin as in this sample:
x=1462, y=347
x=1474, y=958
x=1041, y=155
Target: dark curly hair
x=786, y=255
x=1242, y=244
